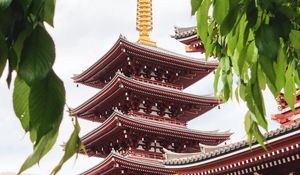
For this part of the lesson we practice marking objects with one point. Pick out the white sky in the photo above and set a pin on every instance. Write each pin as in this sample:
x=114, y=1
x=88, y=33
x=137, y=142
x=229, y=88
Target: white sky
x=85, y=31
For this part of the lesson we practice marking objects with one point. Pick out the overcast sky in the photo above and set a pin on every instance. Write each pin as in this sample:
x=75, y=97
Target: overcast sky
x=84, y=31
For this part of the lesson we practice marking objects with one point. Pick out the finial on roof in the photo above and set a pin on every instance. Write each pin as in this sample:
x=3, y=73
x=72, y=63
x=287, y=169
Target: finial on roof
x=144, y=23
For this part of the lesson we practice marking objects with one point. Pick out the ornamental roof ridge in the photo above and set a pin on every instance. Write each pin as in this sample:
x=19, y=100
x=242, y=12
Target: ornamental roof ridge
x=173, y=54
x=223, y=150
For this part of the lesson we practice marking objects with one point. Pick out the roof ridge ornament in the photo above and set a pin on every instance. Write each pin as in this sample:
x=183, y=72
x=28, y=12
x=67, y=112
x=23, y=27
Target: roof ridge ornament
x=144, y=21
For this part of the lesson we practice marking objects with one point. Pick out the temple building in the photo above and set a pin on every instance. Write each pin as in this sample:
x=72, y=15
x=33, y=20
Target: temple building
x=144, y=113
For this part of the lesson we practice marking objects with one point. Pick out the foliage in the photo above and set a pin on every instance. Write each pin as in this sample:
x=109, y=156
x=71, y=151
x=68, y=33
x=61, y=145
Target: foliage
x=257, y=40
x=39, y=94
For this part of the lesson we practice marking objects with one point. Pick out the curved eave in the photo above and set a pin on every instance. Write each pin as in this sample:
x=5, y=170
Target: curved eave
x=115, y=162
x=284, y=137
x=120, y=82
x=123, y=121
x=123, y=47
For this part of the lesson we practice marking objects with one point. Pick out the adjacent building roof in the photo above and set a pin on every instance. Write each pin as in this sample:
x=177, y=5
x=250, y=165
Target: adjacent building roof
x=218, y=151
x=123, y=49
x=185, y=32
x=120, y=82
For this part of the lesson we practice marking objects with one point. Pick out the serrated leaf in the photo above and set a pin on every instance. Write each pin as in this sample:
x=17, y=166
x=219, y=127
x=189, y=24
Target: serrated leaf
x=20, y=102
x=46, y=104
x=202, y=20
x=49, y=9
x=4, y=4
x=195, y=5
x=37, y=57
x=290, y=88
x=72, y=147
x=42, y=148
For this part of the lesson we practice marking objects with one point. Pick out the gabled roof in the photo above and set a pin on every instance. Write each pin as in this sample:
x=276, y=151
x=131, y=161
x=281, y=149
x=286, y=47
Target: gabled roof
x=120, y=83
x=121, y=121
x=123, y=49
x=115, y=163
x=229, y=150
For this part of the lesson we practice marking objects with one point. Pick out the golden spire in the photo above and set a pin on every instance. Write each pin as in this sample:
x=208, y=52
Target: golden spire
x=144, y=21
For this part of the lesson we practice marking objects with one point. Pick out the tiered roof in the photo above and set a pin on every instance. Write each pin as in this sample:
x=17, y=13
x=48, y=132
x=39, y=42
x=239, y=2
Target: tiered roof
x=118, y=122
x=123, y=51
x=120, y=85
x=238, y=158
x=118, y=164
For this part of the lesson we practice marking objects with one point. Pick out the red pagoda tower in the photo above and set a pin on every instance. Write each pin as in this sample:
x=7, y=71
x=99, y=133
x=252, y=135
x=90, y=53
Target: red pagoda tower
x=142, y=107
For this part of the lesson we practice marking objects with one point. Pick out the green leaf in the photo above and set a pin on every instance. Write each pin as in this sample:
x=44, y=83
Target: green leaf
x=202, y=20
x=258, y=135
x=290, y=88
x=229, y=21
x=259, y=105
x=195, y=5
x=49, y=9
x=216, y=81
x=267, y=42
x=46, y=104
x=267, y=67
x=295, y=39
x=3, y=54
x=72, y=147
x=242, y=91
x=42, y=148
x=38, y=56
x=237, y=94
x=261, y=78
x=4, y=4
x=20, y=102
x=248, y=122
x=221, y=8
x=251, y=55
x=280, y=67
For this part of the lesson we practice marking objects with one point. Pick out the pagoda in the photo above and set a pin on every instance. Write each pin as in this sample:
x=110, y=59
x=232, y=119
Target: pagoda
x=142, y=107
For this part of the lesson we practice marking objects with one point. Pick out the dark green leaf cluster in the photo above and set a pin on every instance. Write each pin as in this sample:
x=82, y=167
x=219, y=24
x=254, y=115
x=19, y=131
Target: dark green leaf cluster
x=259, y=41
x=39, y=94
